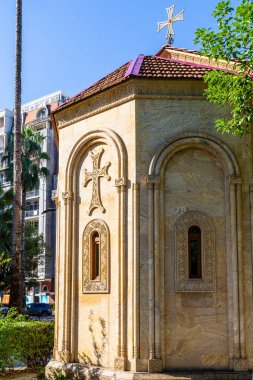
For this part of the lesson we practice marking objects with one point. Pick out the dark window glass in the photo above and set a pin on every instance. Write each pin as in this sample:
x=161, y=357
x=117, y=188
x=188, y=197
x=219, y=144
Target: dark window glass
x=95, y=257
x=194, y=252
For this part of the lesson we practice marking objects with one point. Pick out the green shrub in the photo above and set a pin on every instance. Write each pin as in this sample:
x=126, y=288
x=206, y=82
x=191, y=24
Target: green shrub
x=26, y=341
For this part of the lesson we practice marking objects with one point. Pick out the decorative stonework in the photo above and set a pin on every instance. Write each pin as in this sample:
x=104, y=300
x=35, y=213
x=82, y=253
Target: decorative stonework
x=94, y=176
x=208, y=281
x=235, y=179
x=120, y=182
x=120, y=364
x=101, y=286
x=67, y=196
x=241, y=365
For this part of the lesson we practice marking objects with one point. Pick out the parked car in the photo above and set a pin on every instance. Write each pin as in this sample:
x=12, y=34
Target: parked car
x=39, y=309
x=4, y=309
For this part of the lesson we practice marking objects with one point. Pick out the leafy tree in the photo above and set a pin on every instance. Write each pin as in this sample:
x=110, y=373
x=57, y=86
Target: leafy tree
x=5, y=222
x=34, y=247
x=233, y=41
x=34, y=244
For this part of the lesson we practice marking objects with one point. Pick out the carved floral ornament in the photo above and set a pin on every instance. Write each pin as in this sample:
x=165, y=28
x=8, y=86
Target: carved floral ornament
x=182, y=280
x=101, y=286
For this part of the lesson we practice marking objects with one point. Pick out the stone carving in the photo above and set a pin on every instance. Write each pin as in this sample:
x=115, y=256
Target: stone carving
x=94, y=176
x=235, y=179
x=241, y=365
x=120, y=182
x=120, y=364
x=67, y=196
x=208, y=281
x=101, y=286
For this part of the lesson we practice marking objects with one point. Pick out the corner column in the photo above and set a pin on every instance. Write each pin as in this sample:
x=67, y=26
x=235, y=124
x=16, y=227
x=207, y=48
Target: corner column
x=136, y=365
x=240, y=362
x=154, y=361
x=57, y=269
x=121, y=359
x=68, y=200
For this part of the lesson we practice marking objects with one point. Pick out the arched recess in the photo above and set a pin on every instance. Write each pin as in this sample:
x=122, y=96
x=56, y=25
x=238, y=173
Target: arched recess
x=102, y=285
x=207, y=280
x=231, y=170
x=66, y=344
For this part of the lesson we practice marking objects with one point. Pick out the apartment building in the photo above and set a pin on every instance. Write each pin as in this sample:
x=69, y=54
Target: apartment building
x=40, y=205
x=6, y=123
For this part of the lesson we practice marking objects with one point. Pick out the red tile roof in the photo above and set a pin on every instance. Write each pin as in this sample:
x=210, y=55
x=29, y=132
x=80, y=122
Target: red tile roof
x=156, y=67
x=145, y=67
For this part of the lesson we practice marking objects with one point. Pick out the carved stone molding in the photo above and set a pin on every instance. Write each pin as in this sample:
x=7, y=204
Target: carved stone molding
x=235, y=179
x=241, y=365
x=208, y=281
x=94, y=286
x=67, y=196
x=154, y=178
x=120, y=364
x=120, y=182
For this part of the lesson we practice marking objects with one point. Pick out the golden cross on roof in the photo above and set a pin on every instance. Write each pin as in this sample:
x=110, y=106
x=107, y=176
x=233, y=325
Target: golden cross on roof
x=169, y=23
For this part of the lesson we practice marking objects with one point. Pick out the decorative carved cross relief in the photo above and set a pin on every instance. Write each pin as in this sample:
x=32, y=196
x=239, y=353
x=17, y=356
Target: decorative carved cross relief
x=94, y=176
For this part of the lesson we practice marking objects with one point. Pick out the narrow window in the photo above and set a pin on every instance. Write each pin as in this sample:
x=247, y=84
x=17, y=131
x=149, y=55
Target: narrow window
x=95, y=257
x=194, y=252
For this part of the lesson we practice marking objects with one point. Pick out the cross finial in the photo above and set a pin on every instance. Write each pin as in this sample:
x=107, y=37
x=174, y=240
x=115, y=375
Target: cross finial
x=169, y=23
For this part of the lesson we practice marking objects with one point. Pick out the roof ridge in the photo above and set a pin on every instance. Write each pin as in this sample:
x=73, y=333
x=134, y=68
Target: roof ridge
x=189, y=63
x=135, y=66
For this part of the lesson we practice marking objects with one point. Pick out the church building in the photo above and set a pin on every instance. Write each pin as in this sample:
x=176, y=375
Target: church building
x=154, y=226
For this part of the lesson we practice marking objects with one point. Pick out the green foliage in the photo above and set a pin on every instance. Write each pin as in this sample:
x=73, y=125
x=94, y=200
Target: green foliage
x=29, y=342
x=31, y=157
x=34, y=249
x=233, y=41
x=5, y=234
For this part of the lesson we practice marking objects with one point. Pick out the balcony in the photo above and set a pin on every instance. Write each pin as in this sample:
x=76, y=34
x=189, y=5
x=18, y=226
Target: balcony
x=31, y=213
x=33, y=193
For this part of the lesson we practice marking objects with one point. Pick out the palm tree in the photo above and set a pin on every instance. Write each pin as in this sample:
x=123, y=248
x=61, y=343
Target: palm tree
x=15, y=290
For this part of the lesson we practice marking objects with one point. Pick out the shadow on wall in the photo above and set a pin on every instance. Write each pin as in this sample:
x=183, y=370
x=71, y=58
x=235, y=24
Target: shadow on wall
x=96, y=327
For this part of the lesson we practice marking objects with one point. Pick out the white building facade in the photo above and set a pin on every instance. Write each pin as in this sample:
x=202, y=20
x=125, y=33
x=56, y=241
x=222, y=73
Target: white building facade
x=40, y=205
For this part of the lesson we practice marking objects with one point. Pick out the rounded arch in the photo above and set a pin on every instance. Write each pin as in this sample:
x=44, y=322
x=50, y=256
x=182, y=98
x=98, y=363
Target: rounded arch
x=197, y=140
x=88, y=140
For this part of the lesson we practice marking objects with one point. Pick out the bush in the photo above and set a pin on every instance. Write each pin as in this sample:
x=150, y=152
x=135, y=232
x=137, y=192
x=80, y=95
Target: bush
x=26, y=341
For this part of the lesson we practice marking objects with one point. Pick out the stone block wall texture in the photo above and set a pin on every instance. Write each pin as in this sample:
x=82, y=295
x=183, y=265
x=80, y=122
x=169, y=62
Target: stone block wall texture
x=144, y=321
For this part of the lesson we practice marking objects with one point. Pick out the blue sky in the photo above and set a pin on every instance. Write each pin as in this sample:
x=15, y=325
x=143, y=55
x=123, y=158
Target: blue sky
x=68, y=45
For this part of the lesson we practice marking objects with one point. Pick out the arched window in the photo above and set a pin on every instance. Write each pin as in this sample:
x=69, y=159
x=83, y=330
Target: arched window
x=95, y=257
x=194, y=252
x=96, y=261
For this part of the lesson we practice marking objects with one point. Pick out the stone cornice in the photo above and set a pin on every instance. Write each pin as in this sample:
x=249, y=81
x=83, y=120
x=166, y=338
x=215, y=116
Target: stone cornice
x=124, y=93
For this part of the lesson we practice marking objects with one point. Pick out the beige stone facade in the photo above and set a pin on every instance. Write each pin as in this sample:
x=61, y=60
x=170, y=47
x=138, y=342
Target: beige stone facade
x=140, y=163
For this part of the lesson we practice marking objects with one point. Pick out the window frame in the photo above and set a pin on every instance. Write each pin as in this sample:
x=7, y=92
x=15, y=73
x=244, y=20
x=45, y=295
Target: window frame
x=95, y=256
x=195, y=236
